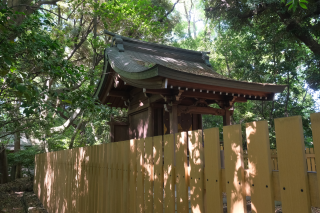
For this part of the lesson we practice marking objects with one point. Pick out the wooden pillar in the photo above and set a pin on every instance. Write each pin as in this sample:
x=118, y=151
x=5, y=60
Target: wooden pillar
x=111, y=131
x=199, y=121
x=226, y=118
x=174, y=119
x=150, y=130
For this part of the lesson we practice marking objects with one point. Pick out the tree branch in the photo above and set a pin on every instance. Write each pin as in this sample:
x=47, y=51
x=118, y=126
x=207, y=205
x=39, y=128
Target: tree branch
x=170, y=11
x=66, y=124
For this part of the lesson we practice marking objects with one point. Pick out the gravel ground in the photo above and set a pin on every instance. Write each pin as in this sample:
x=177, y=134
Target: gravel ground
x=18, y=197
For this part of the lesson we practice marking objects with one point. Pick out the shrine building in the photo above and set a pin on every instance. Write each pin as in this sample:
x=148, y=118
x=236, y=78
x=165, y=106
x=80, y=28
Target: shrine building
x=167, y=89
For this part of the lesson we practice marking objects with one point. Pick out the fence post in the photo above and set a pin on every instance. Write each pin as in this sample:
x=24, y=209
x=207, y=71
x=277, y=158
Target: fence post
x=234, y=169
x=292, y=165
x=260, y=168
x=214, y=200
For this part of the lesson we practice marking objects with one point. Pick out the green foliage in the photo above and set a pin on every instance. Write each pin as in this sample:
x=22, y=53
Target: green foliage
x=258, y=50
x=51, y=62
x=25, y=158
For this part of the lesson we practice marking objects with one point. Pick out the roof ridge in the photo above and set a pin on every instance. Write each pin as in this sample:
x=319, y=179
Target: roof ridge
x=157, y=45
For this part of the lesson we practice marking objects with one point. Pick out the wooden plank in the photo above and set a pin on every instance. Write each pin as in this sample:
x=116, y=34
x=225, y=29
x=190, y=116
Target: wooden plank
x=196, y=171
x=140, y=174
x=214, y=199
x=158, y=174
x=292, y=167
x=109, y=172
x=133, y=175
x=308, y=160
x=260, y=167
x=169, y=185
x=100, y=182
x=125, y=180
x=104, y=177
x=95, y=174
x=313, y=163
x=90, y=179
x=78, y=187
x=113, y=179
x=234, y=169
x=148, y=178
x=181, y=172
x=119, y=177
x=315, y=125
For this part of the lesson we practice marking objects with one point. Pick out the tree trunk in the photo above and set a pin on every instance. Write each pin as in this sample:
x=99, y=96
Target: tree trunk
x=3, y=165
x=17, y=137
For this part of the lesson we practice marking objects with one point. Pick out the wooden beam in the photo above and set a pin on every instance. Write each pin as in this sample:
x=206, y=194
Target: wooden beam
x=190, y=94
x=201, y=110
x=114, y=93
x=159, y=91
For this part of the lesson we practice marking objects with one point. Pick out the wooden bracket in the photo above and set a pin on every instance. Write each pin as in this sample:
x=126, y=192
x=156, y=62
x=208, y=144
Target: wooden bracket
x=179, y=95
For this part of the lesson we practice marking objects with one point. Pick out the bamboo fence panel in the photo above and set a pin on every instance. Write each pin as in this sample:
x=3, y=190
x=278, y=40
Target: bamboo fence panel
x=214, y=199
x=133, y=175
x=148, y=177
x=292, y=168
x=234, y=169
x=153, y=175
x=168, y=164
x=125, y=180
x=315, y=124
x=140, y=172
x=158, y=174
x=196, y=171
x=260, y=167
x=181, y=172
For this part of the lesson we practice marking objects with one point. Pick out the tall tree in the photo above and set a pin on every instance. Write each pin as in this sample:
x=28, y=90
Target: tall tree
x=298, y=25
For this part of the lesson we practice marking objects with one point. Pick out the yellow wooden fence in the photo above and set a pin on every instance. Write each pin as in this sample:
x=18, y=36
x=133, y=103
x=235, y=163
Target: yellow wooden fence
x=156, y=174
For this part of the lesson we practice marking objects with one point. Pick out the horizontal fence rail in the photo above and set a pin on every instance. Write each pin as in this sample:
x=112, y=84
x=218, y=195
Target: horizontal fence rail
x=186, y=172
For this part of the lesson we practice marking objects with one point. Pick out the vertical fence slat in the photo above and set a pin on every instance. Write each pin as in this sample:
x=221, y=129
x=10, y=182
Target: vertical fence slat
x=125, y=188
x=315, y=125
x=181, y=172
x=308, y=160
x=119, y=177
x=234, y=169
x=313, y=163
x=260, y=167
x=148, y=178
x=196, y=171
x=292, y=167
x=104, y=178
x=214, y=198
x=100, y=183
x=140, y=172
x=108, y=195
x=133, y=175
x=169, y=186
x=113, y=179
x=78, y=182
x=90, y=179
x=158, y=177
